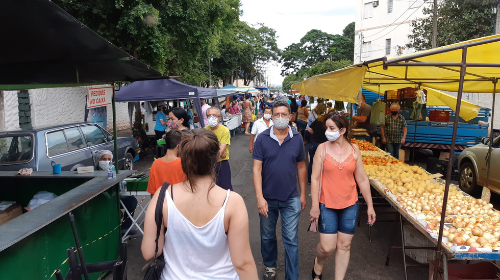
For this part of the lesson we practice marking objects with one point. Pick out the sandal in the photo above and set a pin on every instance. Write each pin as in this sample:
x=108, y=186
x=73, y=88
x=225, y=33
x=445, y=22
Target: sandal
x=314, y=275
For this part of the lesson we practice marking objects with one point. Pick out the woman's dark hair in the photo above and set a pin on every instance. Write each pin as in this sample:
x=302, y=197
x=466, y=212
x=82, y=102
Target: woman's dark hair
x=340, y=120
x=172, y=139
x=247, y=96
x=199, y=155
x=180, y=113
x=303, y=103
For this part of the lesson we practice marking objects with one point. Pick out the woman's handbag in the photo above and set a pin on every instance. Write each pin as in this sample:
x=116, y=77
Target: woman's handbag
x=313, y=226
x=153, y=269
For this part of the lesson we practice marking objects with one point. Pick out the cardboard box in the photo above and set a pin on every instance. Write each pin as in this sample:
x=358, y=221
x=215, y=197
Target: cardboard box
x=10, y=213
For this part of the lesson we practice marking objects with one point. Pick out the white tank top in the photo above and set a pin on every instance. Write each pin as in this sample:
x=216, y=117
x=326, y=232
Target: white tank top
x=193, y=252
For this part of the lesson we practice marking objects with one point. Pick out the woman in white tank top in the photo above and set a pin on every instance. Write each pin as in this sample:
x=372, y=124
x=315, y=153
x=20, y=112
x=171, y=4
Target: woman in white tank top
x=207, y=235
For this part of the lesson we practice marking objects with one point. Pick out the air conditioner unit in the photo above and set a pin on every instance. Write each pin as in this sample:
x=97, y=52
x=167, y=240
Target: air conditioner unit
x=375, y=3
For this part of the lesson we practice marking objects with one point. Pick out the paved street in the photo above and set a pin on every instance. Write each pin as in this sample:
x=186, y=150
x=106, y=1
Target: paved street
x=367, y=259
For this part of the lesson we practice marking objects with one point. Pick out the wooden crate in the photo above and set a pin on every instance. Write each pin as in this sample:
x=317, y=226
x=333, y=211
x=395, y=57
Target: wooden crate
x=10, y=213
x=413, y=237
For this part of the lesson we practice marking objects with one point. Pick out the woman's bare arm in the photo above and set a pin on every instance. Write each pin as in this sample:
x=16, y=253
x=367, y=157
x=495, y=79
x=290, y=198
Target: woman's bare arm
x=239, y=240
x=148, y=241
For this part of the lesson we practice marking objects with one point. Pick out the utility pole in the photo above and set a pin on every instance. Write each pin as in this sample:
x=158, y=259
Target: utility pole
x=497, y=21
x=434, y=25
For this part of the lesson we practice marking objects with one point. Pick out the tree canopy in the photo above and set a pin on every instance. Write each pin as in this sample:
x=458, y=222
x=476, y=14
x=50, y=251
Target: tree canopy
x=314, y=54
x=317, y=46
x=458, y=20
x=179, y=37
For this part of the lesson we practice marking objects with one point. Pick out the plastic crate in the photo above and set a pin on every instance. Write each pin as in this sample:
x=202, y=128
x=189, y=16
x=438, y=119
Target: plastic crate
x=461, y=271
x=410, y=93
x=393, y=95
x=413, y=237
x=439, y=116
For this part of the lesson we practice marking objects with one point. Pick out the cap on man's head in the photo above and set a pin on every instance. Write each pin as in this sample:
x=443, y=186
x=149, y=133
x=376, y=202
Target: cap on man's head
x=161, y=104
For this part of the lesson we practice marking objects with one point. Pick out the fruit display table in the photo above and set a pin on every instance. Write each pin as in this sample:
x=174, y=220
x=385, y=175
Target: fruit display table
x=472, y=226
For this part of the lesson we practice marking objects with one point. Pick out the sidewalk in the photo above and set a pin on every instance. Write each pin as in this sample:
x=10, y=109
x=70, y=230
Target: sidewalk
x=367, y=259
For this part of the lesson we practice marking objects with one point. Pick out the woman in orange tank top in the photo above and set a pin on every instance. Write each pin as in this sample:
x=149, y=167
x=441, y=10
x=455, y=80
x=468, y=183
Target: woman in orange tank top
x=336, y=169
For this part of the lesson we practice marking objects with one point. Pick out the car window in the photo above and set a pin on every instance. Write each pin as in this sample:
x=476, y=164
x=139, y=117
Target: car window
x=16, y=149
x=93, y=135
x=56, y=143
x=74, y=137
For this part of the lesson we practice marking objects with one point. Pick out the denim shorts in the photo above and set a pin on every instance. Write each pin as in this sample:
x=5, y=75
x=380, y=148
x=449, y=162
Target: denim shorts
x=332, y=221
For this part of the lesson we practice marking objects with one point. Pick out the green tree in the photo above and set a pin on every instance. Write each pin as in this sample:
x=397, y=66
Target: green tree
x=244, y=51
x=175, y=37
x=315, y=47
x=458, y=20
x=349, y=31
x=325, y=66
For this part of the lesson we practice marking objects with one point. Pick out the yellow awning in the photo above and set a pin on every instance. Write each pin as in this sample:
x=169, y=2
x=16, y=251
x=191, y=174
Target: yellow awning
x=340, y=85
x=468, y=111
x=344, y=84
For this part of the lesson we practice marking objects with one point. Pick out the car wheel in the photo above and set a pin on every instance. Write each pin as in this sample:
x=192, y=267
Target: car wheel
x=468, y=181
x=128, y=163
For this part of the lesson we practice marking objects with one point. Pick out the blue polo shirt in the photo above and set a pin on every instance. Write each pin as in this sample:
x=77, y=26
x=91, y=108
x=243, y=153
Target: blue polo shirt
x=279, y=163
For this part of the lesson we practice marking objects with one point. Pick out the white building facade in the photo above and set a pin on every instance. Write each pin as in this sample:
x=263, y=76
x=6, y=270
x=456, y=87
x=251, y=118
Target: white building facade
x=382, y=27
x=55, y=106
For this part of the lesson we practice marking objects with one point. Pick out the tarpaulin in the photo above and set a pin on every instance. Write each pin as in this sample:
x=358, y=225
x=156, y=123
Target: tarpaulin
x=340, y=85
x=345, y=83
x=44, y=46
x=468, y=111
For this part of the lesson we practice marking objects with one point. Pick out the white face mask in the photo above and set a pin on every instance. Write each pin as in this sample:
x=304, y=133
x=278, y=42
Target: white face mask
x=332, y=136
x=212, y=121
x=280, y=123
x=104, y=164
x=267, y=116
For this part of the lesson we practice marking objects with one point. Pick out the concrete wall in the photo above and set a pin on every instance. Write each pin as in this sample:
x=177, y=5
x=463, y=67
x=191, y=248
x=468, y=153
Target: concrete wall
x=57, y=106
x=383, y=25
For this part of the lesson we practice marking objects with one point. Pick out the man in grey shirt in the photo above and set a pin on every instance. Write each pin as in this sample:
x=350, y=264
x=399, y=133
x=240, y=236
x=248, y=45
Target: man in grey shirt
x=363, y=118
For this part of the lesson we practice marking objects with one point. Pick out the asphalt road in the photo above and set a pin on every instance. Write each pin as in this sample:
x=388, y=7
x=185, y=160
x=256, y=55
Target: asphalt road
x=367, y=259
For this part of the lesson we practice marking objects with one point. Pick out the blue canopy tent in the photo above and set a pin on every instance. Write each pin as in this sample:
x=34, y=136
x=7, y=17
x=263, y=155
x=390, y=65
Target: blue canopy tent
x=164, y=89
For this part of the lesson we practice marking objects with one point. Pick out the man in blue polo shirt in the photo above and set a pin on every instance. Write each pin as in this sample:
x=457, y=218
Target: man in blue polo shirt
x=278, y=157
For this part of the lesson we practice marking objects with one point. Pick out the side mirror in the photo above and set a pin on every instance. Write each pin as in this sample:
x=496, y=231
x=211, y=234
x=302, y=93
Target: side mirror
x=485, y=141
x=110, y=137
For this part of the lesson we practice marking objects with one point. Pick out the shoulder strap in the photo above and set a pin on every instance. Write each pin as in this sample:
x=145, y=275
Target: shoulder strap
x=227, y=198
x=159, y=213
x=322, y=164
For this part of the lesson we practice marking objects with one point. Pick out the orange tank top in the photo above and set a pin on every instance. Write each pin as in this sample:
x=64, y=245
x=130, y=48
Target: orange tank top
x=338, y=185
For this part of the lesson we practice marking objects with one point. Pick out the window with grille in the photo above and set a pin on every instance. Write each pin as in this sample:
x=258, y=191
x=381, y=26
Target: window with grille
x=387, y=46
x=389, y=6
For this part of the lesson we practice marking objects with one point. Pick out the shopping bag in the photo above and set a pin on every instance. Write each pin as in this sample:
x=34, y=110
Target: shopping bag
x=254, y=117
x=378, y=113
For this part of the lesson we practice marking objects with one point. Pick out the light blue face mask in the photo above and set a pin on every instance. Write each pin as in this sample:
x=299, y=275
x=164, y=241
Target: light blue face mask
x=104, y=164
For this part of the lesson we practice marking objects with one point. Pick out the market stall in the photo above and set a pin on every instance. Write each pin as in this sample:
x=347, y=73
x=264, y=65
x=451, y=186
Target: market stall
x=69, y=233
x=471, y=66
x=34, y=244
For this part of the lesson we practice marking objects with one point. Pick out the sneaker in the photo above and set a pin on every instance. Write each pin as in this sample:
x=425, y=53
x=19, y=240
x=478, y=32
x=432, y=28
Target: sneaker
x=270, y=273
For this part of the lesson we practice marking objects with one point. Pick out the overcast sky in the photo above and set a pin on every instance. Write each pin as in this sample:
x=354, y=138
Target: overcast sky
x=292, y=19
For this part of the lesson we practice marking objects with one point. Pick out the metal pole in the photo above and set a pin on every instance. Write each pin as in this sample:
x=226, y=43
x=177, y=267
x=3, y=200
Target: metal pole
x=115, y=151
x=331, y=66
x=78, y=247
x=497, y=21
x=450, y=162
x=488, y=156
x=434, y=25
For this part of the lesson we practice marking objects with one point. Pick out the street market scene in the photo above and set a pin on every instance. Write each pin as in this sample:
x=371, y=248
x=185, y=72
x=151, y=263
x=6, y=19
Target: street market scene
x=239, y=139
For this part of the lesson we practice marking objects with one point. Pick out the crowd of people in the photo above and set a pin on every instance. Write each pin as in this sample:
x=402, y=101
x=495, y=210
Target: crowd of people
x=208, y=231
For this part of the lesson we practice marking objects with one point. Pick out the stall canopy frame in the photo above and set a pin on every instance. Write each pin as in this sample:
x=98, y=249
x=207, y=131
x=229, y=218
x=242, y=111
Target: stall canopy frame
x=471, y=66
x=165, y=89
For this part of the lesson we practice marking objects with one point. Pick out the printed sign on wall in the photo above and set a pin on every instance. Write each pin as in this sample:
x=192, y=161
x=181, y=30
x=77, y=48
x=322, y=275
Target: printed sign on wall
x=100, y=96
